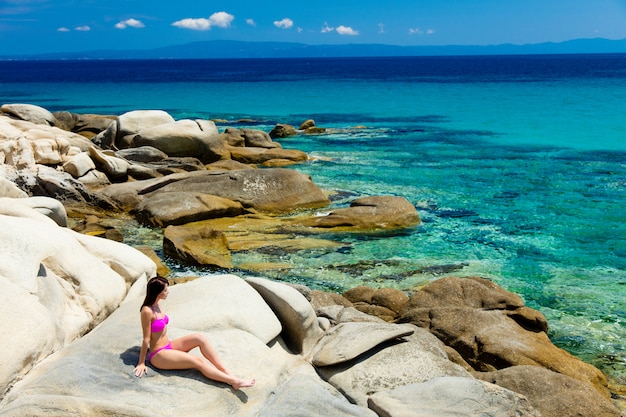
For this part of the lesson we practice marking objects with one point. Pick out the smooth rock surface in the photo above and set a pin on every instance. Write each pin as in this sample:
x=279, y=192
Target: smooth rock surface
x=346, y=341
x=300, y=327
x=451, y=397
x=418, y=358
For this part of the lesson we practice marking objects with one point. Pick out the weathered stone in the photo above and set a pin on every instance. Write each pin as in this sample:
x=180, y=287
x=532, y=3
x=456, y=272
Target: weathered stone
x=56, y=285
x=490, y=337
x=346, y=341
x=378, y=311
x=390, y=298
x=49, y=207
x=282, y=131
x=451, y=396
x=197, y=245
x=182, y=138
x=249, y=155
x=175, y=208
x=229, y=165
x=79, y=165
x=380, y=212
x=300, y=329
x=361, y=293
x=115, y=168
x=224, y=302
x=307, y=124
x=306, y=396
x=417, y=359
x=120, y=134
x=324, y=298
x=551, y=393
x=474, y=292
x=10, y=190
x=269, y=190
x=142, y=154
x=30, y=113
x=87, y=125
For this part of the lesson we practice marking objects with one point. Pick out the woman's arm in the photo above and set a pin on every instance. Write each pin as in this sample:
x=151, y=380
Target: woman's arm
x=146, y=319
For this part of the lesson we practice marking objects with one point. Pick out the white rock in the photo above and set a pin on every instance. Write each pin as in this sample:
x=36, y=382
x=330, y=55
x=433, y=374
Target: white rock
x=79, y=165
x=300, y=328
x=224, y=302
x=56, y=285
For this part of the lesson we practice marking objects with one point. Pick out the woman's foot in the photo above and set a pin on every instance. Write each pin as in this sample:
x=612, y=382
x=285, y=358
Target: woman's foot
x=243, y=383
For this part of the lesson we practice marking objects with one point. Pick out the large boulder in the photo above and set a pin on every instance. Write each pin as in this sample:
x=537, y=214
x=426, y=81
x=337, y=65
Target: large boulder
x=452, y=396
x=120, y=134
x=300, y=327
x=551, y=393
x=176, y=208
x=56, y=285
x=29, y=112
x=377, y=212
x=197, y=245
x=249, y=155
x=412, y=359
x=87, y=125
x=224, y=302
x=496, y=332
x=346, y=341
x=248, y=138
x=183, y=138
x=273, y=190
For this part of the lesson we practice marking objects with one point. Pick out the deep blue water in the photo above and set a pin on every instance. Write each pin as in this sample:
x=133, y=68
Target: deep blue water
x=517, y=164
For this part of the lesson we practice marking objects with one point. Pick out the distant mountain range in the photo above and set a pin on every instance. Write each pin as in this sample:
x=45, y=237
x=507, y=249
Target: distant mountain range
x=238, y=49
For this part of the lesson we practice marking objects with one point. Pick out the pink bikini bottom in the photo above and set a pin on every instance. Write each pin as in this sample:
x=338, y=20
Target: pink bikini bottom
x=166, y=347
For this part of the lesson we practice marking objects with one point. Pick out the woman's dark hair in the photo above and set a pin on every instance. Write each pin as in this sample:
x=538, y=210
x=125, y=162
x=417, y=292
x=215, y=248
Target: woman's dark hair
x=155, y=287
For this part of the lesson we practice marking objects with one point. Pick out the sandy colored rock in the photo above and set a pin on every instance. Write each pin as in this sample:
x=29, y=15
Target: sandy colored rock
x=176, y=208
x=551, y=393
x=197, y=245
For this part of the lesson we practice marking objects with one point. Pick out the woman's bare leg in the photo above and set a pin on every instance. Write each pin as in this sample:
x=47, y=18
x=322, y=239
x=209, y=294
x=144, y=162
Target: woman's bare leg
x=176, y=359
x=186, y=343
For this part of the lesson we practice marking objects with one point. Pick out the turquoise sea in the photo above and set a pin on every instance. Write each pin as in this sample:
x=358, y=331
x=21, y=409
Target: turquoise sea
x=517, y=165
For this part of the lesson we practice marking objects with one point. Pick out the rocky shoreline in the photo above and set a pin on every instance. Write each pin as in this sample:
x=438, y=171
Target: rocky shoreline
x=70, y=297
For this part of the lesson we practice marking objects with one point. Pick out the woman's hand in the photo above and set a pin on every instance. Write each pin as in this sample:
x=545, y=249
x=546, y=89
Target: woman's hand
x=140, y=370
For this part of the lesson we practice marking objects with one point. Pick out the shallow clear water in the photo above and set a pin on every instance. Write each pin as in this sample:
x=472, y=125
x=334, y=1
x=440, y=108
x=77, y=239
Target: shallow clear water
x=517, y=165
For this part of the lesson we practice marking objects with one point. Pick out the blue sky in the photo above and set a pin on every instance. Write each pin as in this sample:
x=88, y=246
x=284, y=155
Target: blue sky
x=37, y=26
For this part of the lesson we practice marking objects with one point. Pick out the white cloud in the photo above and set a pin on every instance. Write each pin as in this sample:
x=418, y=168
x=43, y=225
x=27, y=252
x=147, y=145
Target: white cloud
x=251, y=22
x=63, y=30
x=193, y=24
x=327, y=28
x=84, y=28
x=133, y=23
x=286, y=23
x=219, y=19
x=346, y=30
x=430, y=31
x=300, y=30
x=381, y=28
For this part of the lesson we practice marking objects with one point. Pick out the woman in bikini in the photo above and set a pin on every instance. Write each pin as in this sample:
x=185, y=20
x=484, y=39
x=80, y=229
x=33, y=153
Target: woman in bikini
x=174, y=354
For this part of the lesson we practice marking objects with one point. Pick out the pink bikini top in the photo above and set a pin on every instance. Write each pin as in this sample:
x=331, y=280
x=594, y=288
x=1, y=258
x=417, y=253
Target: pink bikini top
x=159, y=324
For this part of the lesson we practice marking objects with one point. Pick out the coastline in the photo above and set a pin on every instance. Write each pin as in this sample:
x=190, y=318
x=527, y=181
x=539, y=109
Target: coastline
x=362, y=217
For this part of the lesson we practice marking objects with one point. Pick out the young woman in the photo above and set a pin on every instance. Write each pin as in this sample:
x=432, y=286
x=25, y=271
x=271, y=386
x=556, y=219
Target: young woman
x=174, y=354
